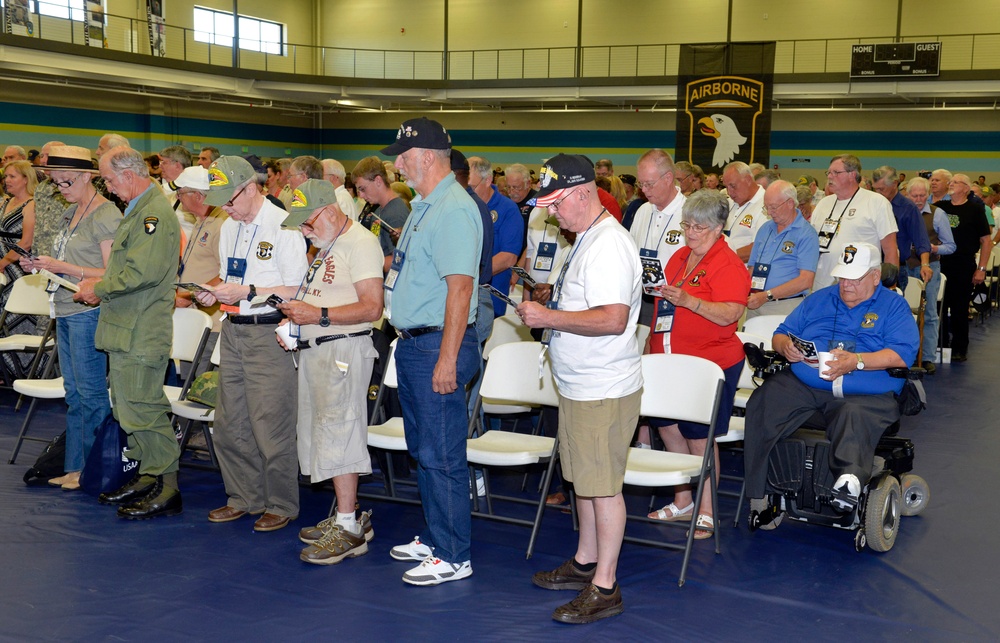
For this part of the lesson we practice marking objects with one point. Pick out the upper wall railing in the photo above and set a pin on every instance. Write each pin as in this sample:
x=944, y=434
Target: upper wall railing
x=969, y=52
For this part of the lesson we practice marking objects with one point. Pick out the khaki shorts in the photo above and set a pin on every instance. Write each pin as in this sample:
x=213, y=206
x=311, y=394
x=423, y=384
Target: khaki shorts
x=594, y=439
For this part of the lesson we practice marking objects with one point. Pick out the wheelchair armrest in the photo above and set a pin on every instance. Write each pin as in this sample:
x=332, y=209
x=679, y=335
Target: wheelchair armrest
x=914, y=373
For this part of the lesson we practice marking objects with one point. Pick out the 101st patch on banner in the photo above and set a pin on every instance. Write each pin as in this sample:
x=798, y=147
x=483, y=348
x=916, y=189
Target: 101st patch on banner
x=727, y=120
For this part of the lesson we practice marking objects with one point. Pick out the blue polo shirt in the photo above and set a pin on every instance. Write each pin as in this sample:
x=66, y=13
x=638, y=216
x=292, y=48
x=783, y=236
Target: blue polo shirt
x=795, y=248
x=912, y=231
x=443, y=236
x=882, y=321
x=508, y=231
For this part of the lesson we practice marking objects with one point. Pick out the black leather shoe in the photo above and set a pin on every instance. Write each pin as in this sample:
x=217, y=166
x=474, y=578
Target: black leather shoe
x=134, y=489
x=958, y=357
x=591, y=605
x=161, y=501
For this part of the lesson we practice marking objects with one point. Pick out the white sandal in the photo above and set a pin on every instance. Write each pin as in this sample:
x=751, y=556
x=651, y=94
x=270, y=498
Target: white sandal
x=671, y=513
x=704, y=522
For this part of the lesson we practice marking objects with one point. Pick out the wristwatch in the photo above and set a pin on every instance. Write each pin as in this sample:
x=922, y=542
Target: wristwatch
x=324, y=318
x=252, y=293
x=861, y=362
x=770, y=295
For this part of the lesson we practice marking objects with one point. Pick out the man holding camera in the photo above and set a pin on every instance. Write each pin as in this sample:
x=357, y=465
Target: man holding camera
x=863, y=329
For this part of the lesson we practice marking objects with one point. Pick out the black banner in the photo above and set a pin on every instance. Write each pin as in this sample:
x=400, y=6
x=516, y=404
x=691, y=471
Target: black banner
x=724, y=104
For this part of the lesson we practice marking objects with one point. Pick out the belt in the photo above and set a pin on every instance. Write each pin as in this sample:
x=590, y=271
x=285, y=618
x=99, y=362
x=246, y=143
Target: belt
x=304, y=343
x=793, y=297
x=269, y=318
x=410, y=333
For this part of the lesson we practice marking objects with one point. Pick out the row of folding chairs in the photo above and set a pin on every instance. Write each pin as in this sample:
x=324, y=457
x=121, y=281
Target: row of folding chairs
x=686, y=388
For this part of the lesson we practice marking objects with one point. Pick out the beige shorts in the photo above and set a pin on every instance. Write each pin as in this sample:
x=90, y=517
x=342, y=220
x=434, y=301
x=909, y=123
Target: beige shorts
x=594, y=438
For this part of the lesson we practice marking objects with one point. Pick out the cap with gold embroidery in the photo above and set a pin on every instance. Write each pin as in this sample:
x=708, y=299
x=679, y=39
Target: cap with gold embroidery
x=224, y=176
x=561, y=172
x=306, y=199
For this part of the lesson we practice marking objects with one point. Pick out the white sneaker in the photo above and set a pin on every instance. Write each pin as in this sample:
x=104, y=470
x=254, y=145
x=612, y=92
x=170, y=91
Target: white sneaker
x=414, y=550
x=434, y=571
x=846, y=491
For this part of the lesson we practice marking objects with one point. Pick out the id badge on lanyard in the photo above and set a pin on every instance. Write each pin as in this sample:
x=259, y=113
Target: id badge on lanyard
x=758, y=279
x=827, y=233
x=546, y=256
x=664, y=317
x=236, y=270
x=398, y=257
x=548, y=333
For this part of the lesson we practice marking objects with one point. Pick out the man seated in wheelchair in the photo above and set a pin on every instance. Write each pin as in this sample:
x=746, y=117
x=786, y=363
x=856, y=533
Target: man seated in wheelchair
x=839, y=342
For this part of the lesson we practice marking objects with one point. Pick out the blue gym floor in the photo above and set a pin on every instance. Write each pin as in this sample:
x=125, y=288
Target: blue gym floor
x=72, y=571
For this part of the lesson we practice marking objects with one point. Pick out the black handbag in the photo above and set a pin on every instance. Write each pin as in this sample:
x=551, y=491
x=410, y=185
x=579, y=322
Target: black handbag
x=107, y=468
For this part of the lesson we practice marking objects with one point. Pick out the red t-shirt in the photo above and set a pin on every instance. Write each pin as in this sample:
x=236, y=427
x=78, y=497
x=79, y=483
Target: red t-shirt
x=719, y=277
x=610, y=204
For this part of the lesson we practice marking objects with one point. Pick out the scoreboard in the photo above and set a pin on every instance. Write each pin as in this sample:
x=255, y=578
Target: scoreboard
x=895, y=59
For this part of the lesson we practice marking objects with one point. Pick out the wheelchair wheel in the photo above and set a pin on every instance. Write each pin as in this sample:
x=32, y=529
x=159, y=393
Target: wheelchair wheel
x=916, y=494
x=882, y=514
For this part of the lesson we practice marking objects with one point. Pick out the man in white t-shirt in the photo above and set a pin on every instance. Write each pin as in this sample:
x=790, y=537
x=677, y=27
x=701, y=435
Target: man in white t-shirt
x=851, y=215
x=596, y=365
x=656, y=228
x=746, y=208
x=333, y=310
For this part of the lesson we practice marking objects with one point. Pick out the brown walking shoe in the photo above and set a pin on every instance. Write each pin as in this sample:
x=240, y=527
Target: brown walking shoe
x=310, y=535
x=335, y=545
x=591, y=605
x=566, y=576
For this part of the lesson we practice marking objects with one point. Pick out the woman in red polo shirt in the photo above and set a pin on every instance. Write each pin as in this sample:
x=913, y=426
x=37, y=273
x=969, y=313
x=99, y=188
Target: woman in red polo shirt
x=696, y=314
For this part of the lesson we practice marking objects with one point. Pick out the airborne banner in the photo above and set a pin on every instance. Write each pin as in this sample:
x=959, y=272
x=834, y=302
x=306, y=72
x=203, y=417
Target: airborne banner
x=723, y=115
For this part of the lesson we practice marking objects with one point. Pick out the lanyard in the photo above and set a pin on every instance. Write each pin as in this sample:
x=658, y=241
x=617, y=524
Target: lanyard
x=742, y=209
x=557, y=288
x=844, y=211
x=413, y=228
x=662, y=234
x=836, y=315
x=239, y=236
x=68, y=233
x=307, y=279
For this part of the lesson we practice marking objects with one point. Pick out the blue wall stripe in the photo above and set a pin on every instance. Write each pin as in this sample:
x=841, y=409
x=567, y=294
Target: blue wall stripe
x=33, y=125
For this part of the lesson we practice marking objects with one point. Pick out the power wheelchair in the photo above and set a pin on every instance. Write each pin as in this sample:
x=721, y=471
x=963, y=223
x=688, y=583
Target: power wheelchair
x=800, y=483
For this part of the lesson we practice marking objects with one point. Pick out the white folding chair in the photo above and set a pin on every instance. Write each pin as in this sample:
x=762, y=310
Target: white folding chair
x=43, y=389
x=387, y=433
x=641, y=334
x=764, y=326
x=27, y=297
x=914, y=287
x=512, y=373
x=185, y=409
x=678, y=387
x=506, y=329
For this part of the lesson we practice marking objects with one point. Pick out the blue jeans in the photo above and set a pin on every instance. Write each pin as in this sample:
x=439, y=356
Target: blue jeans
x=85, y=373
x=931, y=322
x=436, y=429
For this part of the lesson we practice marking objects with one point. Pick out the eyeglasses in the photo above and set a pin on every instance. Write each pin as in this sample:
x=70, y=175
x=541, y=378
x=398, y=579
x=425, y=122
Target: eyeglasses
x=774, y=208
x=695, y=227
x=230, y=202
x=554, y=206
x=311, y=220
x=645, y=185
x=684, y=178
x=64, y=184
